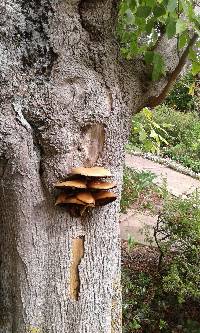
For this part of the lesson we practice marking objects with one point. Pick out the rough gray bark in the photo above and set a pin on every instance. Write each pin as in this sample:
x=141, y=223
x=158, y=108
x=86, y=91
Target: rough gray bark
x=66, y=100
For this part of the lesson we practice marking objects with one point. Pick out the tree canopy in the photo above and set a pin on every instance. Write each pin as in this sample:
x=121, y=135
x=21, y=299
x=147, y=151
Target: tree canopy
x=143, y=23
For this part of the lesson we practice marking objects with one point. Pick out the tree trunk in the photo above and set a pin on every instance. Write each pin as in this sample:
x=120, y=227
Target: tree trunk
x=64, y=103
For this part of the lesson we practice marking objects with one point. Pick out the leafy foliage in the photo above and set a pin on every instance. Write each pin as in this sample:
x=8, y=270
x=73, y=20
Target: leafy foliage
x=161, y=287
x=142, y=22
x=134, y=183
x=150, y=134
x=182, y=97
x=177, y=235
x=180, y=137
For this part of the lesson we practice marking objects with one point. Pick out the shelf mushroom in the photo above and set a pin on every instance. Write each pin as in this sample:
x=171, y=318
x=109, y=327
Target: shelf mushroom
x=84, y=191
x=71, y=184
x=65, y=198
x=100, y=185
x=86, y=197
x=104, y=197
x=91, y=172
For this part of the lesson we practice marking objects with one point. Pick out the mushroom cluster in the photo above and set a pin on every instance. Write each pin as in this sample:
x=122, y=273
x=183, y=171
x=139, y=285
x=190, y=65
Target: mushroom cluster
x=85, y=189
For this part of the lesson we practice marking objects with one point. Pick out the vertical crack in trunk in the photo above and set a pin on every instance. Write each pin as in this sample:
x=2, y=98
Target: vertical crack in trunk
x=77, y=255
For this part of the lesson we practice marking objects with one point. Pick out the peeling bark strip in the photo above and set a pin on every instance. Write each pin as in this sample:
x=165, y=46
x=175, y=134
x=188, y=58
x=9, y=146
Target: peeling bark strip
x=77, y=255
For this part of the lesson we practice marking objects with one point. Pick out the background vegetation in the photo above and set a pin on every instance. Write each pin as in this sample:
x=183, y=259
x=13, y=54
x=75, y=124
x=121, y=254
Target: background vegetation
x=161, y=285
x=172, y=129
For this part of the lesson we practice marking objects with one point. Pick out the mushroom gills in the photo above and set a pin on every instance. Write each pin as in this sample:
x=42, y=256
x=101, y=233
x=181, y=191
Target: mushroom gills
x=104, y=197
x=86, y=197
x=64, y=198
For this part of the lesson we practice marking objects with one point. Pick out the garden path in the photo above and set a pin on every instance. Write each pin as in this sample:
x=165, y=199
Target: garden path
x=177, y=184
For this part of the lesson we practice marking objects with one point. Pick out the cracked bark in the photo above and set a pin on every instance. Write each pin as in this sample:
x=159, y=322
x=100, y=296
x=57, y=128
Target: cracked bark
x=66, y=100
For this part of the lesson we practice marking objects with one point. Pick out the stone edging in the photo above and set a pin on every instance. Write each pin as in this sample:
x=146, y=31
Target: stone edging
x=168, y=163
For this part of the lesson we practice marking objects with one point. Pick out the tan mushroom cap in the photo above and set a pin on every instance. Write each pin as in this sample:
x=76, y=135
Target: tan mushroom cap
x=104, y=197
x=63, y=198
x=91, y=172
x=86, y=197
x=100, y=185
x=72, y=184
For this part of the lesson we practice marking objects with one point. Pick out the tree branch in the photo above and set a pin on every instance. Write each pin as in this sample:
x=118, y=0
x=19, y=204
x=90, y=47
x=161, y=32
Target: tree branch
x=156, y=100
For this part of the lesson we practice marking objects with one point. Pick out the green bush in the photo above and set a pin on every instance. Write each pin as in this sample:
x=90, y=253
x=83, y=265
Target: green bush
x=180, y=137
x=166, y=296
x=177, y=235
x=182, y=95
x=134, y=183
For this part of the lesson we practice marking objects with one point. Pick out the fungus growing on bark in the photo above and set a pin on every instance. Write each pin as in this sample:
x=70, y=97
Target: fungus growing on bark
x=100, y=185
x=86, y=197
x=74, y=200
x=104, y=197
x=86, y=192
x=61, y=199
x=91, y=172
x=65, y=198
x=71, y=184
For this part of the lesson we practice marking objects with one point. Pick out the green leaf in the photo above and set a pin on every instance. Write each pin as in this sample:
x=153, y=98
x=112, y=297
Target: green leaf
x=149, y=146
x=143, y=11
x=192, y=55
x=134, y=46
x=132, y=5
x=148, y=57
x=180, y=26
x=163, y=140
x=154, y=135
x=158, y=66
x=171, y=6
x=150, y=3
x=149, y=26
x=142, y=135
x=124, y=51
x=171, y=28
x=195, y=68
x=123, y=8
x=159, y=10
x=183, y=39
x=157, y=126
x=148, y=114
x=140, y=22
x=192, y=89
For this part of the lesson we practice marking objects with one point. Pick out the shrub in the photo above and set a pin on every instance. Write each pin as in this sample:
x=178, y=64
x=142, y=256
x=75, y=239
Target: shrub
x=182, y=95
x=179, y=135
x=177, y=235
x=165, y=296
x=134, y=183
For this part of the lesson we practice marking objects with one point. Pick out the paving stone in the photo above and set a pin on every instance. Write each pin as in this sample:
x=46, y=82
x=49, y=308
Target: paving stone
x=178, y=184
x=132, y=223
